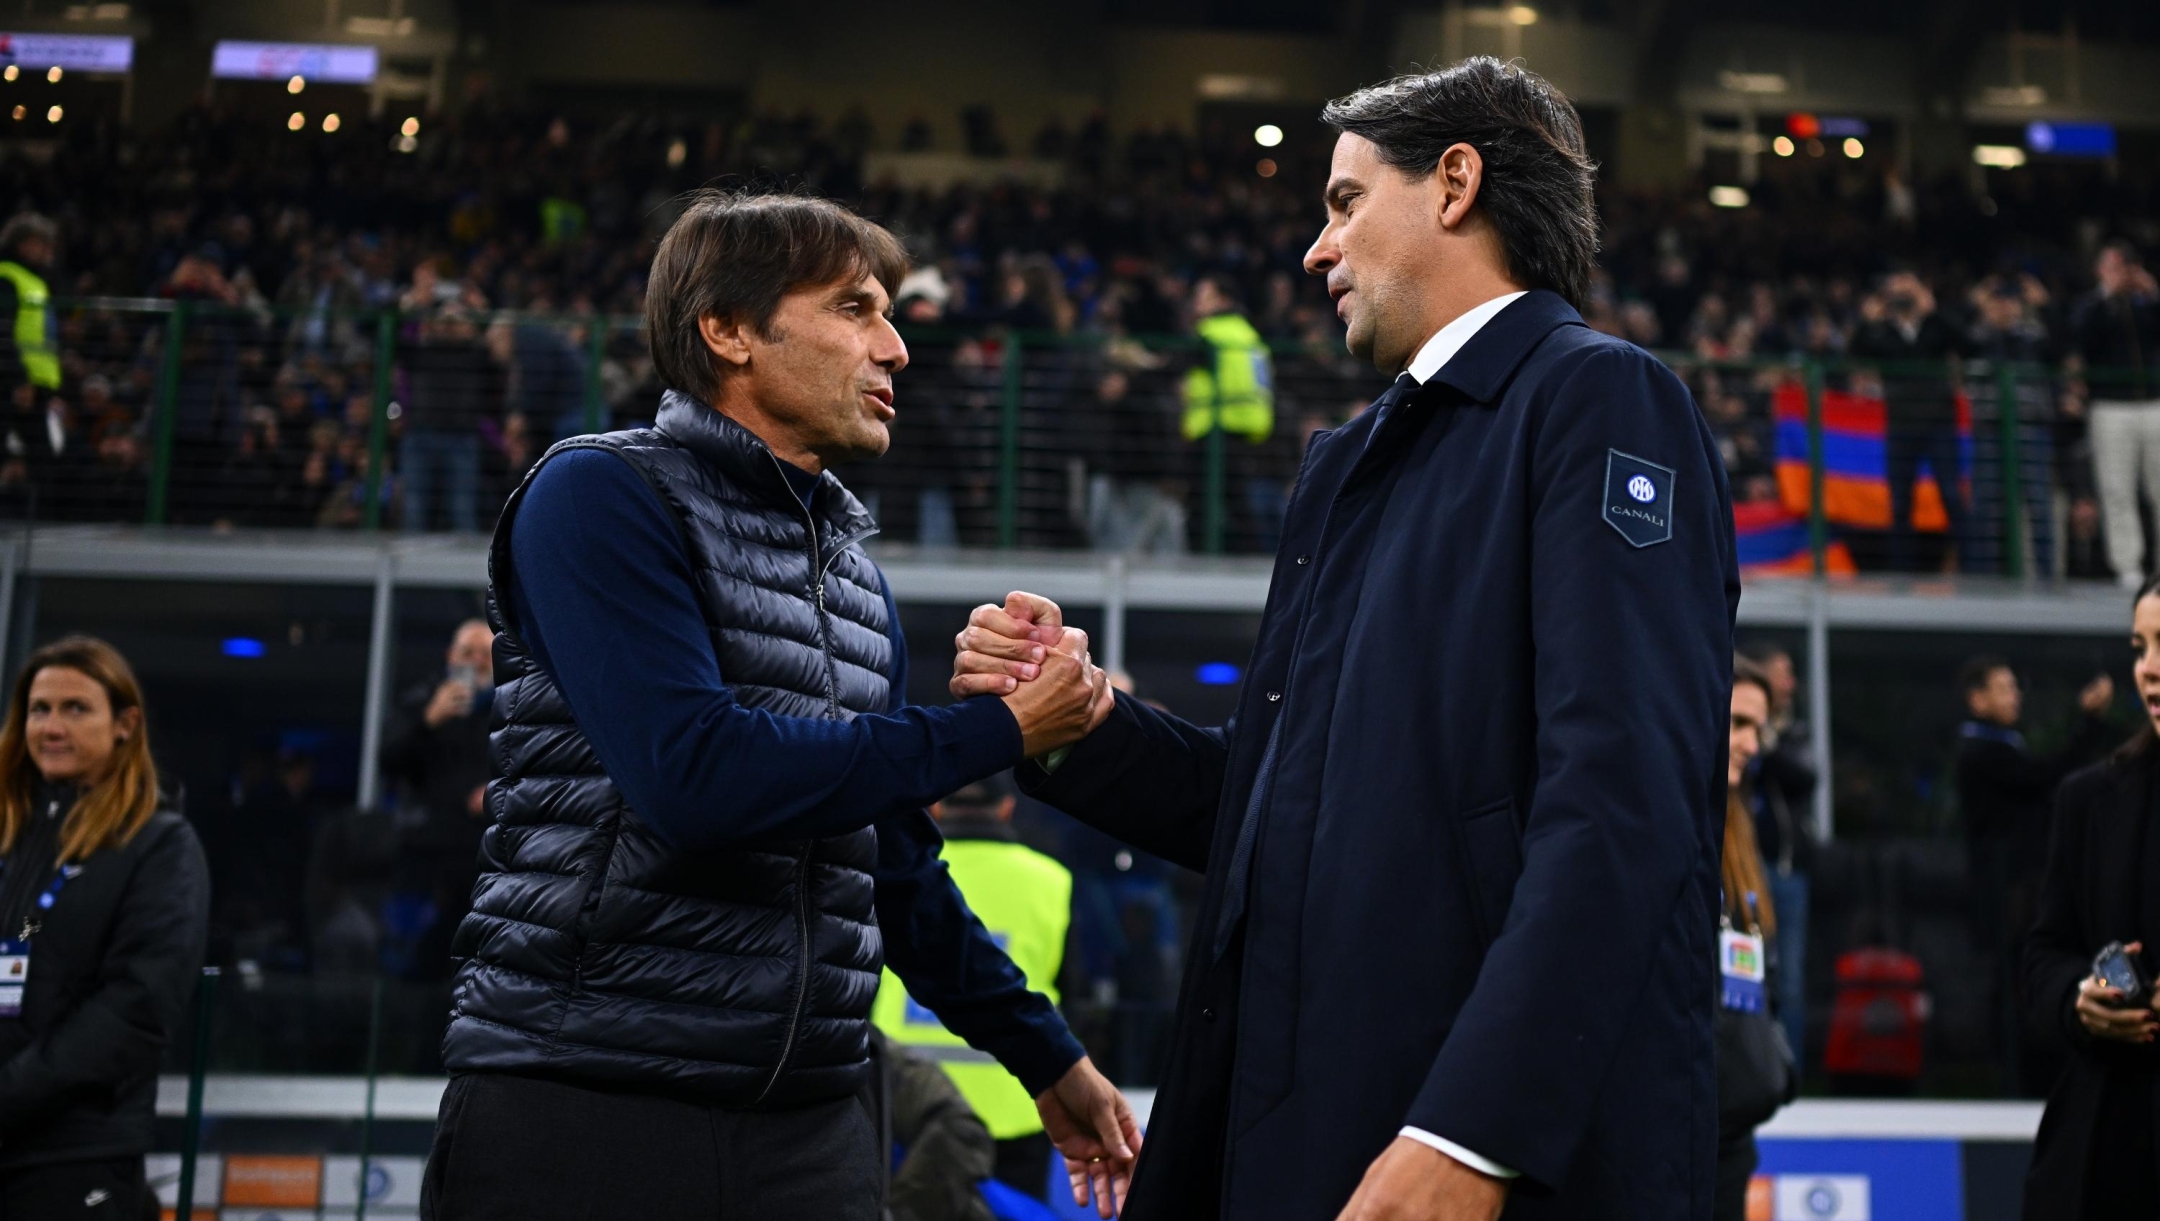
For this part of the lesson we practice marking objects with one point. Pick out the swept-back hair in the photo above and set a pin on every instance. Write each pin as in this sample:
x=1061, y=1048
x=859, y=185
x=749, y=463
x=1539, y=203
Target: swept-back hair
x=735, y=254
x=1538, y=180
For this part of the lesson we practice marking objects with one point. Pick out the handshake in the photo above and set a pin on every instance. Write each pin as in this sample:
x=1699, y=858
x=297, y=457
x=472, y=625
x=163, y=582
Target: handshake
x=1023, y=653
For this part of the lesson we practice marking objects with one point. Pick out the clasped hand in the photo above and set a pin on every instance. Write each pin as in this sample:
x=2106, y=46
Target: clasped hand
x=2101, y=1011
x=1023, y=653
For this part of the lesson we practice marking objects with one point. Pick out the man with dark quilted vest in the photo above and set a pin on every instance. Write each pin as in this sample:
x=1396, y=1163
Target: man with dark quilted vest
x=708, y=817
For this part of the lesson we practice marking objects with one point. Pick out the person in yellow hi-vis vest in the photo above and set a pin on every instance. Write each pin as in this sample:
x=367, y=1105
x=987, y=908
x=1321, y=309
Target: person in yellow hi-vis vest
x=1233, y=390
x=29, y=354
x=1025, y=899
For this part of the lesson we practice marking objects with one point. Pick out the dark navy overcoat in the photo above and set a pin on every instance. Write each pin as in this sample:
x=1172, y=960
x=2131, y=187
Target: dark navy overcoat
x=1486, y=722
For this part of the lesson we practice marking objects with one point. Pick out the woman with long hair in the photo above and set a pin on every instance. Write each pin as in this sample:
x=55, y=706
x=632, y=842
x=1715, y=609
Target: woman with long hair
x=1754, y=1067
x=2095, y=1156
x=104, y=909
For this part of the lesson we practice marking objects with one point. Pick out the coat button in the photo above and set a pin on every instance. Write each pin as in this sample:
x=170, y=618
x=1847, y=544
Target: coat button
x=1274, y=697
x=1207, y=1015
x=1303, y=560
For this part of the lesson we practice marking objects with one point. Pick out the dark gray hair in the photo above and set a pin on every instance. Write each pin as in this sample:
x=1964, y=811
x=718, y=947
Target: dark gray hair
x=1538, y=181
x=734, y=254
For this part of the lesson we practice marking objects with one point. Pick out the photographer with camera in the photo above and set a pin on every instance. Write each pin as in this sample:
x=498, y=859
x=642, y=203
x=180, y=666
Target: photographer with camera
x=2088, y=973
x=1915, y=348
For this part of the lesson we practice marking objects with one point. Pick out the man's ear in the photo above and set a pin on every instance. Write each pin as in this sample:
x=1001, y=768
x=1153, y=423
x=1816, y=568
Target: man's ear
x=1459, y=175
x=725, y=338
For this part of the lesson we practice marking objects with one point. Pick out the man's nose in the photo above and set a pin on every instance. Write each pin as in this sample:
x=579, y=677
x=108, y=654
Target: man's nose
x=1324, y=253
x=888, y=350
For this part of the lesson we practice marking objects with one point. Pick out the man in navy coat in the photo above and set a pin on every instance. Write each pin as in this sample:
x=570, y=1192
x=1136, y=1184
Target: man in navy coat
x=1456, y=953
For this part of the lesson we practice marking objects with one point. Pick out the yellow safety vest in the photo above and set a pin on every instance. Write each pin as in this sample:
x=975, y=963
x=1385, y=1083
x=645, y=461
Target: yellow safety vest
x=1025, y=899
x=33, y=326
x=1237, y=387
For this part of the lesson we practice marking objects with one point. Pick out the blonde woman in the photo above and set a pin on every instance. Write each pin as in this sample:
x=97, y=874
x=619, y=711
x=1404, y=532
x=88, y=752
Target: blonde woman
x=104, y=906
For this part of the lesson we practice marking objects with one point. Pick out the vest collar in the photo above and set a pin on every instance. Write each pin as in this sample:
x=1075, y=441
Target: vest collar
x=737, y=453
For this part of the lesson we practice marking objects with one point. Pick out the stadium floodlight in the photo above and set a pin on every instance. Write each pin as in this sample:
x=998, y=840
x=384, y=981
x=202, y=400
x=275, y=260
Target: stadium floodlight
x=330, y=122
x=1267, y=135
x=1728, y=197
x=296, y=84
x=296, y=122
x=1782, y=146
x=11, y=73
x=53, y=115
x=1266, y=168
x=1998, y=156
x=20, y=111
x=1522, y=14
x=409, y=128
x=53, y=74
x=1854, y=149
x=677, y=152
x=406, y=144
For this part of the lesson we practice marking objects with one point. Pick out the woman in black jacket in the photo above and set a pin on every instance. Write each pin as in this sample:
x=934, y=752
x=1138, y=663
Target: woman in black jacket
x=2096, y=1155
x=104, y=907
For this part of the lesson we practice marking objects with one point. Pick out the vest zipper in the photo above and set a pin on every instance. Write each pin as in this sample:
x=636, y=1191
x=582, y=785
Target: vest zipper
x=802, y=975
x=819, y=561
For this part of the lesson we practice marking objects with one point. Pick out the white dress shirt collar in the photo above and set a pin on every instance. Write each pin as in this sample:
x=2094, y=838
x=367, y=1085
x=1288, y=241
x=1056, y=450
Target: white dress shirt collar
x=1449, y=340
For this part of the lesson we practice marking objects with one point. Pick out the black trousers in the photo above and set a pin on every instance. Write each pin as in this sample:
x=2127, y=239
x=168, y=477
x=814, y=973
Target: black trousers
x=519, y=1149
x=109, y=1190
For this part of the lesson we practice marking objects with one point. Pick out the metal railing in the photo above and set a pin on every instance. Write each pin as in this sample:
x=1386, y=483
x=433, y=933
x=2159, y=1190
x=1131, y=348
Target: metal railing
x=184, y=412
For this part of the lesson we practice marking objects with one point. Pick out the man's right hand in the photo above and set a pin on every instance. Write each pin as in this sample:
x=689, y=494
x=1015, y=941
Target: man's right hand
x=1005, y=649
x=1057, y=707
x=2101, y=1012
x=452, y=700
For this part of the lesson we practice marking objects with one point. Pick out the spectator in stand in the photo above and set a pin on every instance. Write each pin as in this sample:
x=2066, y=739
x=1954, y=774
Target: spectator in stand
x=544, y=375
x=104, y=900
x=2095, y=1157
x=1133, y=499
x=2003, y=788
x=436, y=750
x=2008, y=330
x=1915, y=347
x=450, y=387
x=2115, y=334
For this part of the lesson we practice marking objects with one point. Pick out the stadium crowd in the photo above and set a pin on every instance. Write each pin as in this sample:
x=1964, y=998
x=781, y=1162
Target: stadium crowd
x=286, y=244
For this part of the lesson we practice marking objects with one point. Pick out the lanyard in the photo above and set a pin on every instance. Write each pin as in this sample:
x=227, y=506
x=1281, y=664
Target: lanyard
x=46, y=898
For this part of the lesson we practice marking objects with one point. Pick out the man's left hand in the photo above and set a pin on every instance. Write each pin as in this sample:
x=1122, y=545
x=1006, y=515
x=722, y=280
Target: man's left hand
x=1093, y=1126
x=1415, y=1182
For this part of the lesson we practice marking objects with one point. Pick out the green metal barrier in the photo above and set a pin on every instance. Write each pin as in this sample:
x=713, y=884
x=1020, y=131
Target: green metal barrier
x=1015, y=403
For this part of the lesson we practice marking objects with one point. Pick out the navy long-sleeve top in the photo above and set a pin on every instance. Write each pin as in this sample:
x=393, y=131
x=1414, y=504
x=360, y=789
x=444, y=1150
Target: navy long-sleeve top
x=601, y=592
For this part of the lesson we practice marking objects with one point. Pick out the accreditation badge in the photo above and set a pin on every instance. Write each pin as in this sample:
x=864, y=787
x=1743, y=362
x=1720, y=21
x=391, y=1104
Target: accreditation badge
x=1740, y=963
x=14, y=974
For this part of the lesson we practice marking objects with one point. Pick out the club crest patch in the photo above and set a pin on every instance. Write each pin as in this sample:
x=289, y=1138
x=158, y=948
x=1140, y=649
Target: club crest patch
x=1638, y=499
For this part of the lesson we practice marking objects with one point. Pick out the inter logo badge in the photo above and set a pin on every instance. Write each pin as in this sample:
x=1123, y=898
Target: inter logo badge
x=1638, y=499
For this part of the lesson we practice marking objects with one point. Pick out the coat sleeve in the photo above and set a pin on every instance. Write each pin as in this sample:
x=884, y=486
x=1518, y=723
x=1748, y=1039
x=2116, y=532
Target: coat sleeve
x=2060, y=949
x=119, y=1031
x=1631, y=682
x=1144, y=776
x=950, y=963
